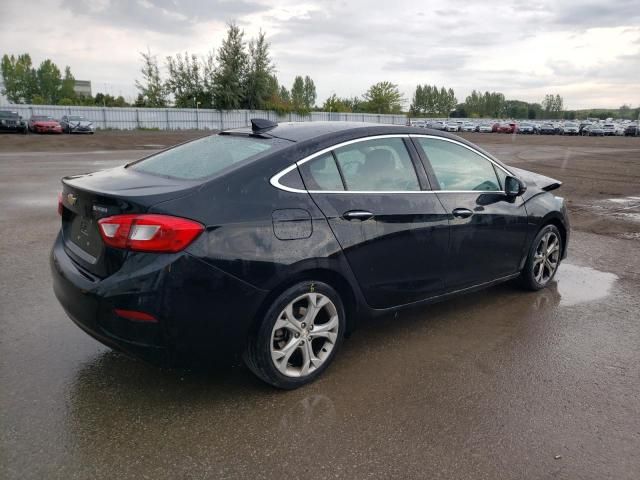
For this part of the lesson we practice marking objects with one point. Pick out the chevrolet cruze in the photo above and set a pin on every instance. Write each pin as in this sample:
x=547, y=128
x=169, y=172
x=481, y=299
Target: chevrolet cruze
x=273, y=242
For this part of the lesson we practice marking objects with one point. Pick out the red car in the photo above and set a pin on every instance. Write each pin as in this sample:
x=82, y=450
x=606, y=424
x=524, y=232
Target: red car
x=44, y=124
x=508, y=128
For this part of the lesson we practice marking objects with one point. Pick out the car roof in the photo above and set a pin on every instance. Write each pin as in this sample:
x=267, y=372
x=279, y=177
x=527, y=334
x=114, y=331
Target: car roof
x=305, y=131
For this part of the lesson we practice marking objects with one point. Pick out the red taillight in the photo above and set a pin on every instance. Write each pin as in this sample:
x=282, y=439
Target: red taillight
x=135, y=315
x=149, y=233
x=60, y=204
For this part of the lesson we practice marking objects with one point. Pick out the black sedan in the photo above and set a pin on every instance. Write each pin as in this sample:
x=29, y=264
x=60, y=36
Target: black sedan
x=277, y=240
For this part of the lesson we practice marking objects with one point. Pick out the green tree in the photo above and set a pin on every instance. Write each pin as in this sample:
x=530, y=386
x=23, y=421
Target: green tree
x=553, y=106
x=258, y=81
x=284, y=94
x=336, y=104
x=152, y=88
x=516, y=109
x=309, y=93
x=383, y=97
x=229, y=74
x=19, y=78
x=297, y=96
x=49, y=82
x=278, y=99
x=67, y=91
x=186, y=82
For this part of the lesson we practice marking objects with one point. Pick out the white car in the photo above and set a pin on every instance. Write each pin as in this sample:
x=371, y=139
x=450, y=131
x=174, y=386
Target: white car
x=437, y=125
x=570, y=128
x=468, y=127
x=609, y=129
x=485, y=128
x=452, y=127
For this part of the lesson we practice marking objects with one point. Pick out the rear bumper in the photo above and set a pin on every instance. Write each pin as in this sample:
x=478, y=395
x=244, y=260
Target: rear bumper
x=201, y=310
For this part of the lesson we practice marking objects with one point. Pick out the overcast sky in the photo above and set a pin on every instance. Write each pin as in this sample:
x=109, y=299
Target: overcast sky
x=588, y=51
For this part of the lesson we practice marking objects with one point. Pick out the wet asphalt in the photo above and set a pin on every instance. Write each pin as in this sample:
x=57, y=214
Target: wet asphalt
x=496, y=384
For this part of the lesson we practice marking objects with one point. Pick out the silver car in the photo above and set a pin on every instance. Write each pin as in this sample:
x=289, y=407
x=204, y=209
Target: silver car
x=76, y=124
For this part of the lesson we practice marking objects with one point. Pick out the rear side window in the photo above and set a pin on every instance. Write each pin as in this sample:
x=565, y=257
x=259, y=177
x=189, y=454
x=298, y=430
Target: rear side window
x=458, y=168
x=322, y=173
x=204, y=157
x=381, y=164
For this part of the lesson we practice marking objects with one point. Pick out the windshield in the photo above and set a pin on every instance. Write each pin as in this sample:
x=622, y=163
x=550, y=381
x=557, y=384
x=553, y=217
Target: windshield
x=206, y=156
x=75, y=118
x=6, y=114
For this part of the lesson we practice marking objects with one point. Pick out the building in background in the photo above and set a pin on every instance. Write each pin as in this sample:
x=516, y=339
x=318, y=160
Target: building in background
x=82, y=88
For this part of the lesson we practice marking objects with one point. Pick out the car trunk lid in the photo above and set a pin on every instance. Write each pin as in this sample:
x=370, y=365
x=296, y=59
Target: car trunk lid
x=88, y=198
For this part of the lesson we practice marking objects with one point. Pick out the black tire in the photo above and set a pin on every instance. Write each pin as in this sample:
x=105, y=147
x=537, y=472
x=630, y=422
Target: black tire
x=527, y=277
x=257, y=355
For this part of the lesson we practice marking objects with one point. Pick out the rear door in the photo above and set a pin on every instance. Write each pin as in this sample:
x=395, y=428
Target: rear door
x=392, y=228
x=488, y=228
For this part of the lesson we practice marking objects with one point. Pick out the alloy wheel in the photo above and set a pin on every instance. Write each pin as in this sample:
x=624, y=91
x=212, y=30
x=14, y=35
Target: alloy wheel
x=546, y=258
x=304, y=334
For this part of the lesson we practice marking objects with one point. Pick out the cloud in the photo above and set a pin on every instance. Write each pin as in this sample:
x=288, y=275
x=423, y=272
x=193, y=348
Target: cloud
x=521, y=48
x=446, y=60
x=161, y=15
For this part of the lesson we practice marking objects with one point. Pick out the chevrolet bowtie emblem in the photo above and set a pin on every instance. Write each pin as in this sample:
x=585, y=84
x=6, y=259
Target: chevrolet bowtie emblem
x=72, y=199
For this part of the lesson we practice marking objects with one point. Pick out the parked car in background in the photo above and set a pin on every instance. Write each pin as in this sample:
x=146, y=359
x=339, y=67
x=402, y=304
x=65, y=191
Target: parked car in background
x=297, y=249
x=609, y=129
x=547, y=129
x=10, y=121
x=620, y=128
x=76, y=124
x=527, y=128
x=485, y=128
x=593, y=130
x=631, y=130
x=437, y=125
x=468, y=127
x=510, y=127
x=452, y=127
x=570, y=128
x=495, y=127
x=44, y=124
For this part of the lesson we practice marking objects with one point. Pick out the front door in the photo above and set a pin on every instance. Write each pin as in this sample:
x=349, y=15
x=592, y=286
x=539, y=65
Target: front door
x=488, y=228
x=393, y=231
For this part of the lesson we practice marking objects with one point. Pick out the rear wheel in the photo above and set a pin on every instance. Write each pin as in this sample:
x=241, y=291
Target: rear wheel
x=543, y=260
x=298, y=336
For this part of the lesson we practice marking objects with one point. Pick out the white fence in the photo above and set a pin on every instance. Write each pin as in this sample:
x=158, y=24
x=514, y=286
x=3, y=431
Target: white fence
x=189, y=118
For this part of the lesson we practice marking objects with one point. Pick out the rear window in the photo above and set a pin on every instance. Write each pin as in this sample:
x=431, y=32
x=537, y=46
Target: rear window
x=204, y=157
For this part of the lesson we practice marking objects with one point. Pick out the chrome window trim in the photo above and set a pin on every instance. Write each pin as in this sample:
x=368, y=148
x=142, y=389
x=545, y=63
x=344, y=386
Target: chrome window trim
x=275, y=180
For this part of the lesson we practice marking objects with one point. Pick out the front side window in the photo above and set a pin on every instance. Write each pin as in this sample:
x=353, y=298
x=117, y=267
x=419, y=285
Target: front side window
x=381, y=164
x=457, y=168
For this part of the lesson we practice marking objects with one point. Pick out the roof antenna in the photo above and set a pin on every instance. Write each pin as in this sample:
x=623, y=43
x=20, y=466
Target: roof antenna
x=261, y=125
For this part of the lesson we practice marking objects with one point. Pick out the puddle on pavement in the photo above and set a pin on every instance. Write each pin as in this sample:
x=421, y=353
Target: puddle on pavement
x=583, y=284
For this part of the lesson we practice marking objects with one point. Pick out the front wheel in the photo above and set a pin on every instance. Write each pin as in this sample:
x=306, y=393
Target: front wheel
x=298, y=336
x=543, y=260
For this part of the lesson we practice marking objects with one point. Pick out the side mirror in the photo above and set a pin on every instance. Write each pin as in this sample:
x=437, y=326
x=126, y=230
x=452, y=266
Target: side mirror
x=514, y=187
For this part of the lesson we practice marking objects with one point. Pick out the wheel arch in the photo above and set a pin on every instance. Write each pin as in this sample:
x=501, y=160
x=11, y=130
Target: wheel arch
x=556, y=221
x=332, y=278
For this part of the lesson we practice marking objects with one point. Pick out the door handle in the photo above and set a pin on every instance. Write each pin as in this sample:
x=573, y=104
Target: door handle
x=361, y=215
x=462, y=213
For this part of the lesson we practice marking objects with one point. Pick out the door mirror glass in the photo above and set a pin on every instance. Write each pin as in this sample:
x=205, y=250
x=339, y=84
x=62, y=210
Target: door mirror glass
x=513, y=186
